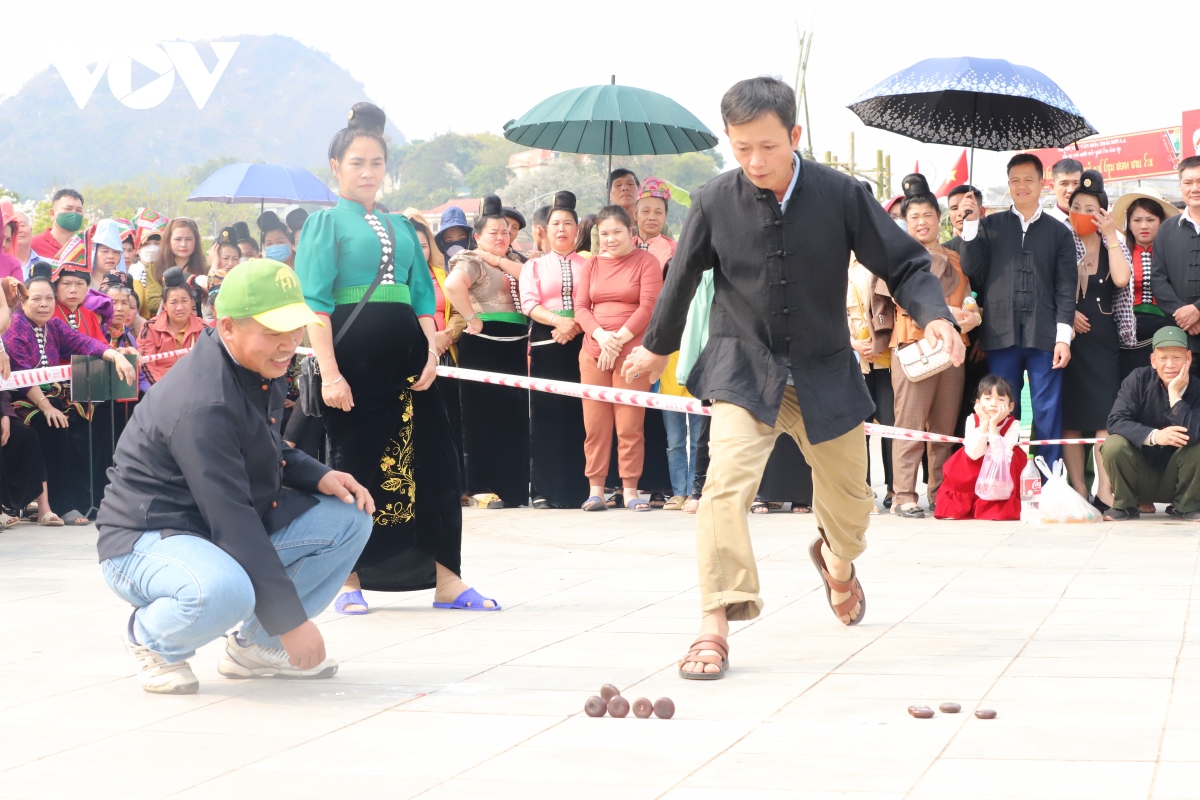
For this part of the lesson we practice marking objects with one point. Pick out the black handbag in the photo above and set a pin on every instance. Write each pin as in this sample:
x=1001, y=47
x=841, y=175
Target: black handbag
x=308, y=382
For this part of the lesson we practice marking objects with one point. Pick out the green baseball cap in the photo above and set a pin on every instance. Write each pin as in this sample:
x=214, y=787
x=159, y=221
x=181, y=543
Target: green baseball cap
x=268, y=291
x=1169, y=336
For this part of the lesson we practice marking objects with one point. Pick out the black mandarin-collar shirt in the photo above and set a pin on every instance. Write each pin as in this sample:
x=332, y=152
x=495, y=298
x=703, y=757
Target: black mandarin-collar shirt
x=203, y=455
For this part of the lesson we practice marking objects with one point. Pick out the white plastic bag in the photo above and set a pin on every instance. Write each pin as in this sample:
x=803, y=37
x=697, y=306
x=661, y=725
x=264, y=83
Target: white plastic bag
x=1059, y=502
x=995, y=480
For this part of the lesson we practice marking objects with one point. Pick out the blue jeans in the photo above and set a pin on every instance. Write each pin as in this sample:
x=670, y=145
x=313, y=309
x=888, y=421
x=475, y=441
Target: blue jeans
x=1045, y=391
x=189, y=592
x=681, y=458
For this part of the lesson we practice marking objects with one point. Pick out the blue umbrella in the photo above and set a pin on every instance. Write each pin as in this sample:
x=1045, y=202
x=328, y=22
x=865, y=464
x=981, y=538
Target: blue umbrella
x=973, y=102
x=263, y=183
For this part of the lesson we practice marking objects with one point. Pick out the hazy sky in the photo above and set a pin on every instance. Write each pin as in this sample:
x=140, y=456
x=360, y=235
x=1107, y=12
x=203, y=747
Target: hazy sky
x=471, y=66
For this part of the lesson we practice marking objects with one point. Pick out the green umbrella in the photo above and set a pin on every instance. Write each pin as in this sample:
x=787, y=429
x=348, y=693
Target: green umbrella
x=610, y=120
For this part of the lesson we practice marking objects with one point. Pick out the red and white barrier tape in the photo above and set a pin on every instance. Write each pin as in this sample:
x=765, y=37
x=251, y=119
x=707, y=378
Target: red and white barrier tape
x=23, y=379
x=628, y=397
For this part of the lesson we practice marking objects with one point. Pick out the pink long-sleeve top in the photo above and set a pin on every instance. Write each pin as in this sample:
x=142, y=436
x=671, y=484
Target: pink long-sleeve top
x=547, y=282
x=615, y=293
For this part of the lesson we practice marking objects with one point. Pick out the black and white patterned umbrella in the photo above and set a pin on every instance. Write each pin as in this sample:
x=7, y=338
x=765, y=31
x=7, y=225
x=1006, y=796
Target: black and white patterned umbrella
x=974, y=102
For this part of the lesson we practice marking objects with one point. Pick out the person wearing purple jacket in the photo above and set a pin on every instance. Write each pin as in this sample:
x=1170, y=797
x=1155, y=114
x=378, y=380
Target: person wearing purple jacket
x=37, y=339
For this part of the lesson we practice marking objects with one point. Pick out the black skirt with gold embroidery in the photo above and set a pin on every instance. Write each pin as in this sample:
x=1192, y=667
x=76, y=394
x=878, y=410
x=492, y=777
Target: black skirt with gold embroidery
x=397, y=443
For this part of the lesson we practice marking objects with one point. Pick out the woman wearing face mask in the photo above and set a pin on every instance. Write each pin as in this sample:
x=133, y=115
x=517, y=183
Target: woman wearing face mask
x=482, y=284
x=1103, y=323
x=277, y=239
x=181, y=249
x=175, y=327
x=455, y=235
x=614, y=302
x=39, y=339
x=556, y=430
x=1139, y=215
x=386, y=419
x=148, y=227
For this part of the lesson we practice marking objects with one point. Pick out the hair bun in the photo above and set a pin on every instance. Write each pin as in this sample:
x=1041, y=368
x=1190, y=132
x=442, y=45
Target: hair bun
x=270, y=221
x=915, y=184
x=173, y=277
x=564, y=200
x=491, y=206
x=366, y=116
x=41, y=269
x=227, y=236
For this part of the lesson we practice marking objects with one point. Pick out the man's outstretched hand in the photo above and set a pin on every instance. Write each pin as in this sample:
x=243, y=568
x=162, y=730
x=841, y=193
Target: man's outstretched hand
x=641, y=361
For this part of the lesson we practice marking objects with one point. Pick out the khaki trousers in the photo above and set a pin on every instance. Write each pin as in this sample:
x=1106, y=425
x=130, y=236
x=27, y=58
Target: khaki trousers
x=739, y=447
x=929, y=405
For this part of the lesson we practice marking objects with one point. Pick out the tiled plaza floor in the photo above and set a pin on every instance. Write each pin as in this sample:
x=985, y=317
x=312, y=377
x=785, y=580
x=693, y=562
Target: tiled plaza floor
x=1083, y=638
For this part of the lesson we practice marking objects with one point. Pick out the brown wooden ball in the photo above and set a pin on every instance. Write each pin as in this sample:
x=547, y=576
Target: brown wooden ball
x=618, y=707
x=642, y=708
x=608, y=692
x=950, y=708
x=664, y=708
x=985, y=713
x=595, y=707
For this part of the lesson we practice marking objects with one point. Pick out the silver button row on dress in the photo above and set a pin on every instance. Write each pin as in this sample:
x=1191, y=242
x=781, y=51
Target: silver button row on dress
x=385, y=243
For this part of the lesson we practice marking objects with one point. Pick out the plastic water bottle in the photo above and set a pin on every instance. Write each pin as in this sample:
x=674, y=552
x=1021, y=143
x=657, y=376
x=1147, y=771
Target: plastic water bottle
x=1031, y=488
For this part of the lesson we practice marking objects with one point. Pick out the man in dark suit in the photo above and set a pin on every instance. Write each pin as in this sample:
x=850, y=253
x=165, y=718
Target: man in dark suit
x=778, y=234
x=1175, y=265
x=1024, y=260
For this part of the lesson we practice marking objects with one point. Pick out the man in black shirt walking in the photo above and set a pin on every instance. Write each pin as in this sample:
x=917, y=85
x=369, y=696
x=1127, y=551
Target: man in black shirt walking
x=211, y=520
x=778, y=234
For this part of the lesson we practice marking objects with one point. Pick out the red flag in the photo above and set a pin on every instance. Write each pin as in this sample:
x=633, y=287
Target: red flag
x=958, y=176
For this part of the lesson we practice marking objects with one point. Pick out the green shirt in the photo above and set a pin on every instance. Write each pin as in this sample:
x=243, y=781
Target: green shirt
x=339, y=250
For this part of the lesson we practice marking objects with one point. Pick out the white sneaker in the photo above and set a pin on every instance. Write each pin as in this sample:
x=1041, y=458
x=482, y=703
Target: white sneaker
x=256, y=661
x=157, y=675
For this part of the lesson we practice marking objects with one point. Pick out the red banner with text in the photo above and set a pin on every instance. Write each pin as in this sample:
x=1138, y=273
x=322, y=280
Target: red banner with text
x=1120, y=158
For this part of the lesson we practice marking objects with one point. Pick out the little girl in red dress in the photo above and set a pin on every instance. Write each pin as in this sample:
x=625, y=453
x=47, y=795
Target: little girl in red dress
x=993, y=417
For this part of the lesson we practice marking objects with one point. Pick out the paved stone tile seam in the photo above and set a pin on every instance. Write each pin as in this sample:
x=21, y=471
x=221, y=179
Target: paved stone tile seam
x=1175, y=674
x=1066, y=587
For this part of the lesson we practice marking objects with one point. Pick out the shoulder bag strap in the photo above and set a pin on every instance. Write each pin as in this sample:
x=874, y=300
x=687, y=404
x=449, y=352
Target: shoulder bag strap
x=371, y=289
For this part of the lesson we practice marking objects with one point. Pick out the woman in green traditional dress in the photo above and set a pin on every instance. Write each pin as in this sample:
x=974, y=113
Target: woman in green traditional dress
x=386, y=420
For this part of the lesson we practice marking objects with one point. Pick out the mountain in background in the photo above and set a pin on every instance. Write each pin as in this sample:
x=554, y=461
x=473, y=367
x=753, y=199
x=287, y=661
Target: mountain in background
x=278, y=101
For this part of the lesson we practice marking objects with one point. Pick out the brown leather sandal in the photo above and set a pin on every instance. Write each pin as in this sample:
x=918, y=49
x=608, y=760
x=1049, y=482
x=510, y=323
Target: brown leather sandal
x=709, y=641
x=833, y=585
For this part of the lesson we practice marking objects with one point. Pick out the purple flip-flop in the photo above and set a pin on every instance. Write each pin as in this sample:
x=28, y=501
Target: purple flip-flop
x=354, y=598
x=470, y=600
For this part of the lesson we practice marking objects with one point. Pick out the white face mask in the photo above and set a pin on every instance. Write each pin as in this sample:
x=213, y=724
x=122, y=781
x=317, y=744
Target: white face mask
x=148, y=253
